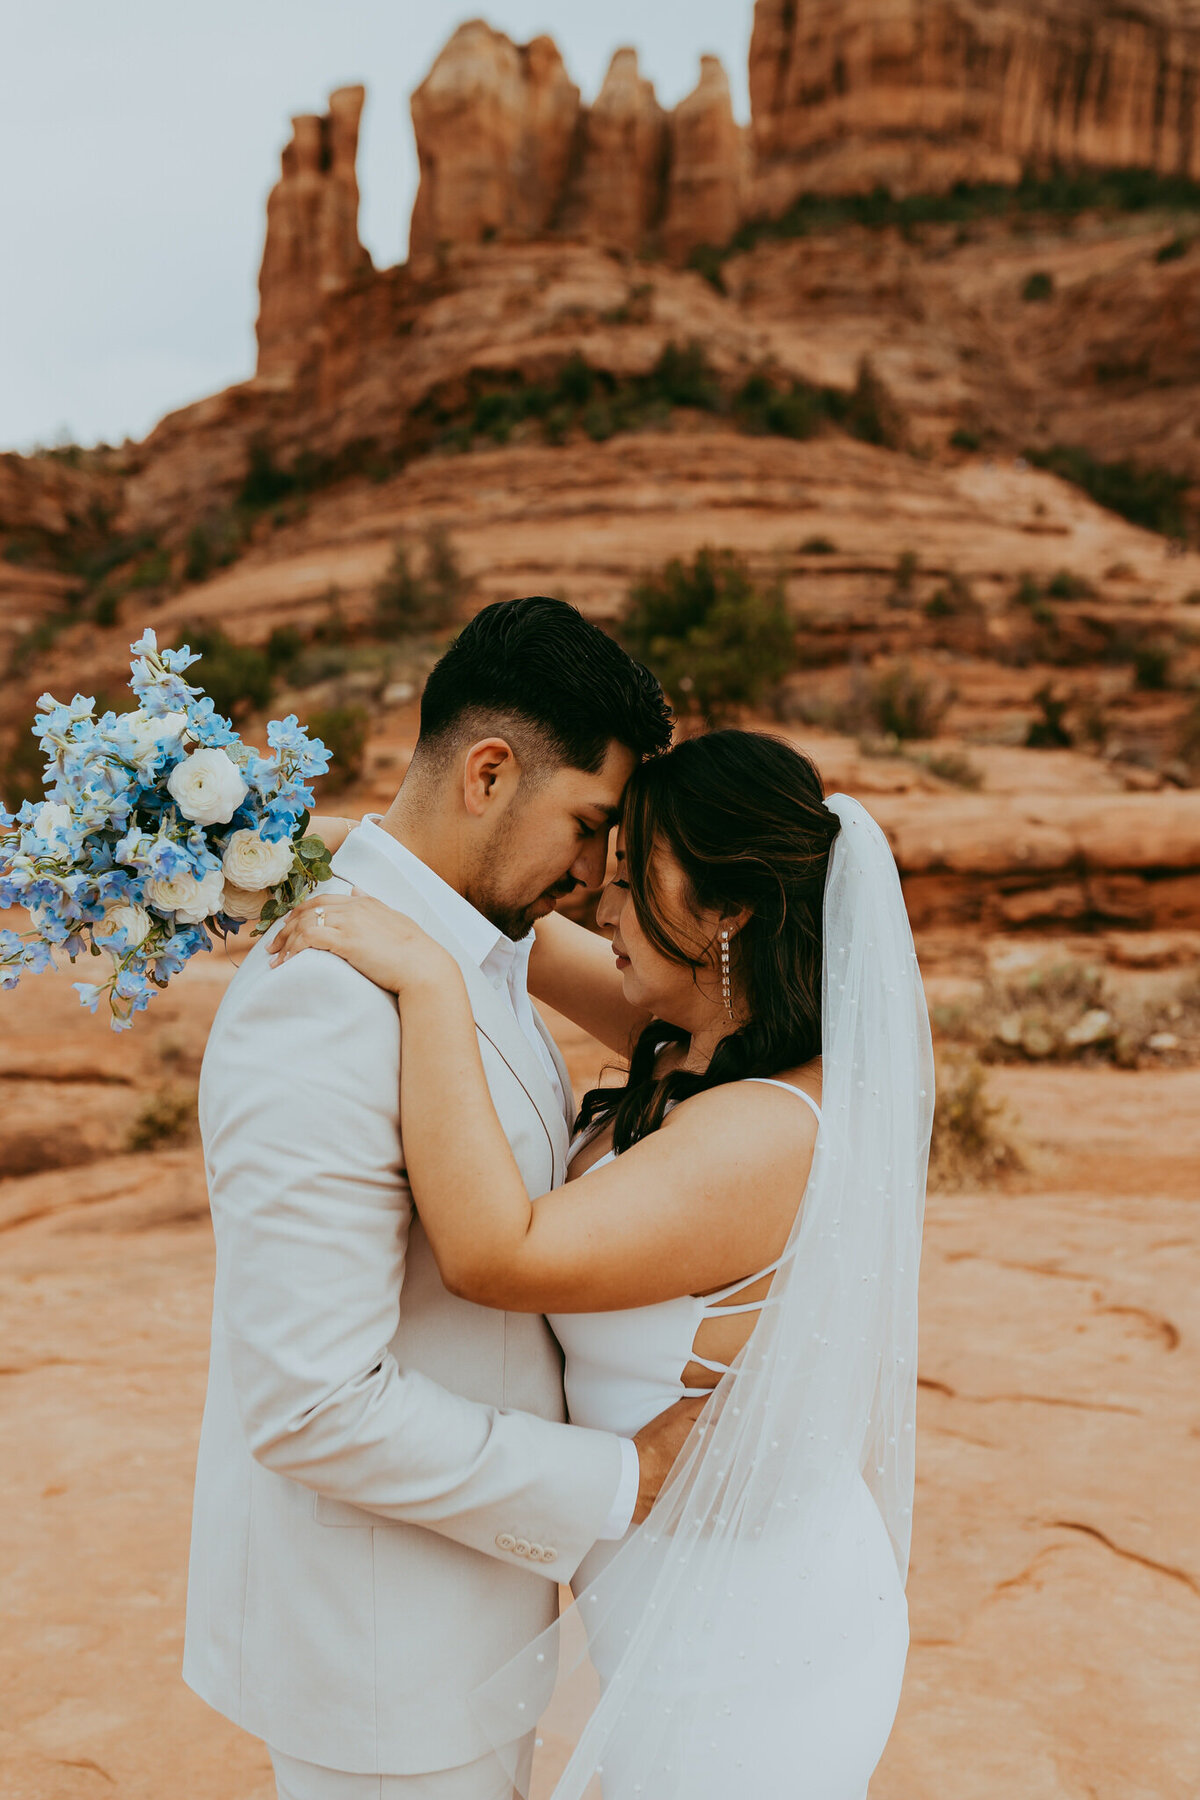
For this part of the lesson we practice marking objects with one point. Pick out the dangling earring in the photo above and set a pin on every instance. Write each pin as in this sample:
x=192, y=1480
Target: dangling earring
x=726, y=985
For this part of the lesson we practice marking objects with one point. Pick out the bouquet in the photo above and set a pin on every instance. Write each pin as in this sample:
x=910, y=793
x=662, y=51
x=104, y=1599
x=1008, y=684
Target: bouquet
x=160, y=831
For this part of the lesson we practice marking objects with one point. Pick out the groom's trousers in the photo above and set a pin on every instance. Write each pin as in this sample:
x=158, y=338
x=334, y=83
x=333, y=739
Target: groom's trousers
x=482, y=1780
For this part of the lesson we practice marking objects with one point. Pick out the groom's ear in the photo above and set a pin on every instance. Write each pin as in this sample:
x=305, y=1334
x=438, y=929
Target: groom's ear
x=490, y=773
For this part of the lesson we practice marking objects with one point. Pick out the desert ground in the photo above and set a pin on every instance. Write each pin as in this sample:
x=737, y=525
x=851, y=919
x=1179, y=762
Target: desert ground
x=1055, y=1584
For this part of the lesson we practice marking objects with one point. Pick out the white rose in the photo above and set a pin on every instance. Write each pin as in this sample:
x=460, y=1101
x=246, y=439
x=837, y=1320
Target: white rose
x=52, y=817
x=254, y=862
x=239, y=903
x=147, y=732
x=190, y=900
x=133, y=920
x=207, y=787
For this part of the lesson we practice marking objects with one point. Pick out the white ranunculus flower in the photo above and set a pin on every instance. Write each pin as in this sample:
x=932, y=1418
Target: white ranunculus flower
x=52, y=816
x=207, y=787
x=252, y=861
x=133, y=920
x=148, y=732
x=240, y=903
x=190, y=900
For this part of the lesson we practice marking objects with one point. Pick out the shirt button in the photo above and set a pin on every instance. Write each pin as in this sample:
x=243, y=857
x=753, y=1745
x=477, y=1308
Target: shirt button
x=506, y=1541
x=522, y=1546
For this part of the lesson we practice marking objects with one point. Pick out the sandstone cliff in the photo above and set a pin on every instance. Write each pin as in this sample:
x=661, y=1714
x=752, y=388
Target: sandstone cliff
x=43, y=497
x=845, y=95
x=918, y=94
x=365, y=368
x=312, y=249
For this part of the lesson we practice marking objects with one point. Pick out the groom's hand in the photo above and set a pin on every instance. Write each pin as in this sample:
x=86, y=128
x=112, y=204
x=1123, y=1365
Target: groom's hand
x=658, y=1445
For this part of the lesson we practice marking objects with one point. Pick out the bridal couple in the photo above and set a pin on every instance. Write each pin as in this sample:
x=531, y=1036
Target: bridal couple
x=421, y=1243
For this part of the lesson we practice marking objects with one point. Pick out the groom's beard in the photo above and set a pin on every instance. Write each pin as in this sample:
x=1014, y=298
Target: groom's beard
x=515, y=921
x=487, y=887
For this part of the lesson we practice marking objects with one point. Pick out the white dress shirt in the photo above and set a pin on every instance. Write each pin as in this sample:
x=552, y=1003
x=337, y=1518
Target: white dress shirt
x=506, y=965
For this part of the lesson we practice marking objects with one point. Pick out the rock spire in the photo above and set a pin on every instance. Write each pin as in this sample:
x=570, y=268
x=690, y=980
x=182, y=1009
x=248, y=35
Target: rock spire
x=495, y=124
x=708, y=153
x=617, y=195
x=312, y=248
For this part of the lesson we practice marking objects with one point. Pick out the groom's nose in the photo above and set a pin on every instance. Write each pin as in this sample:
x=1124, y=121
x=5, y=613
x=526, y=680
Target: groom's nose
x=592, y=860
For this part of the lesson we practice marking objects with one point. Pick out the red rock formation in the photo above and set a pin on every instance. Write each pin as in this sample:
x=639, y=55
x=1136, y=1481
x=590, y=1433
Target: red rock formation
x=506, y=151
x=1121, y=859
x=495, y=124
x=920, y=93
x=708, y=147
x=44, y=497
x=617, y=196
x=312, y=249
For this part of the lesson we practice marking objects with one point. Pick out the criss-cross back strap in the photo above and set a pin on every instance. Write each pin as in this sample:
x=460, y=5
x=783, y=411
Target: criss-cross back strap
x=713, y=1304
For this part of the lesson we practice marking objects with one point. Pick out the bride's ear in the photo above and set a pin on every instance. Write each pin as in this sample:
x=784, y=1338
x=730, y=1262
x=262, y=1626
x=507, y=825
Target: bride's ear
x=734, y=922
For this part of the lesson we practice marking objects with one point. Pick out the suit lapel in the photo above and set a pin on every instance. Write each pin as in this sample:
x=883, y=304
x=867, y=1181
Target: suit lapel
x=359, y=865
x=559, y=1061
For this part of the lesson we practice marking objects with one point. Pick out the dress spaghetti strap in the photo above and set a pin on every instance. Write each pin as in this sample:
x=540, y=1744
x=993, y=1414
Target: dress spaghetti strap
x=788, y=1087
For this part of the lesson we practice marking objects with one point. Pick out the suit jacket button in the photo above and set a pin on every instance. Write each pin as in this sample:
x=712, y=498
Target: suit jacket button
x=535, y=1553
x=549, y=1554
x=522, y=1546
x=506, y=1541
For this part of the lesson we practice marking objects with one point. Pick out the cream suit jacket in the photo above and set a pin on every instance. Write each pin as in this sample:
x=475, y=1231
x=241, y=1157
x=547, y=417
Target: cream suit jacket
x=386, y=1495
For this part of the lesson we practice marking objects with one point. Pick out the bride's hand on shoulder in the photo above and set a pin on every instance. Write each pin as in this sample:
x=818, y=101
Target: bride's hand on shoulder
x=381, y=943
x=332, y=832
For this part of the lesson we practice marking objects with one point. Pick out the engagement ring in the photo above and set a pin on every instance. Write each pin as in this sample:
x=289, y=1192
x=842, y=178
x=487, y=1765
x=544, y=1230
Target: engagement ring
x=320, y=917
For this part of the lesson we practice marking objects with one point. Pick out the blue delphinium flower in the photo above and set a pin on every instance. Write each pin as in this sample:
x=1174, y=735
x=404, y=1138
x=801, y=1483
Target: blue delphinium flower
x=157, y=676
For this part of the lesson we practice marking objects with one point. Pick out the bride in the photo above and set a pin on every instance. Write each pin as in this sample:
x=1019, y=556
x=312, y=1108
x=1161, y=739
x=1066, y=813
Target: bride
x=741, y=1222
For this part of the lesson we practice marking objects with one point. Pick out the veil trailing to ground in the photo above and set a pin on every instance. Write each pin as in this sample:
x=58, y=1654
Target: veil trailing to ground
x=716, y=1619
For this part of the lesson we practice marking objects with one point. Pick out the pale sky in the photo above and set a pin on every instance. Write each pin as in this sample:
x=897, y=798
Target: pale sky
x=139, y=140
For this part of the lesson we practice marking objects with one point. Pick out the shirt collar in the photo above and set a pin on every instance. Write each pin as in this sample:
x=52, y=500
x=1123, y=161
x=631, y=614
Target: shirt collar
x=486, y=945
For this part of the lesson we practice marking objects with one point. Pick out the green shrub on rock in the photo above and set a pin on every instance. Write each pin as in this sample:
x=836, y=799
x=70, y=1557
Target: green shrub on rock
x=716, y=639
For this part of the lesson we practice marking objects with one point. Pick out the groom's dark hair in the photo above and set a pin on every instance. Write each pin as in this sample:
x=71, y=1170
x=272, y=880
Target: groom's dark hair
x=541, y=665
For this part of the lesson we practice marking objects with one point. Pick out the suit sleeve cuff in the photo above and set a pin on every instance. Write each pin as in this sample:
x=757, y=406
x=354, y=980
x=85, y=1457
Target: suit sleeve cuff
x=620, y=1516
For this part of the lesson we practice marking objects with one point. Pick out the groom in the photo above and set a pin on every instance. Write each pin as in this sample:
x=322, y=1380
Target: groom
x=386, y=1495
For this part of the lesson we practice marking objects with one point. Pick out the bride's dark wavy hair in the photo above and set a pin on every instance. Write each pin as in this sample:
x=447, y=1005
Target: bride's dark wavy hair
x=744, y=816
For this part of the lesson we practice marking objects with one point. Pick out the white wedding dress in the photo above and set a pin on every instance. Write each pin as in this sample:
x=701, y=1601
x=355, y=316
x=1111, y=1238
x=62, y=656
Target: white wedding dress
x=749, y=1638
x=837, y=1607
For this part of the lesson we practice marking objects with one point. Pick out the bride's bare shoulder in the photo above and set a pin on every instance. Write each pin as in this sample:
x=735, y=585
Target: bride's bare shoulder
x=756, y=1113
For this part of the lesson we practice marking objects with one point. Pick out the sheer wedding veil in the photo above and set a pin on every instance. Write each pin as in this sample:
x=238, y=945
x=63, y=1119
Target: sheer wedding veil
x=708, y=1602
